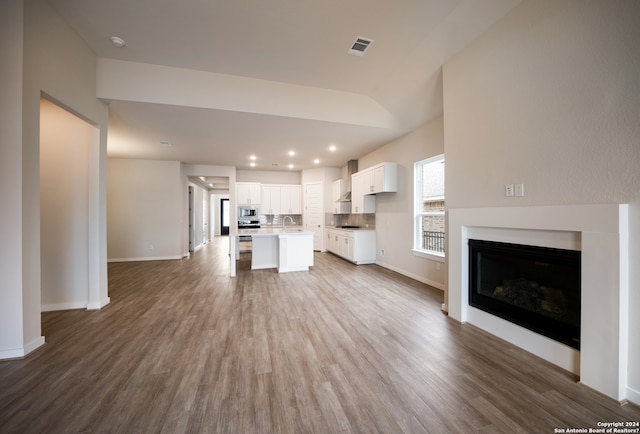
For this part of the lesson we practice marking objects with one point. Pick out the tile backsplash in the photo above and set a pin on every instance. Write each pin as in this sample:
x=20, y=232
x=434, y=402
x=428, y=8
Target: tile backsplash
x=362, y=220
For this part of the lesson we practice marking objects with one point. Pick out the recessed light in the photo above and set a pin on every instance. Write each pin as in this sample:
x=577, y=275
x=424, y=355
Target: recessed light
x=117, y=42
x=290, y=166
x=252, y=164
x=252, y=157
x=292, y=153
x=316, y=161
x=332, y=148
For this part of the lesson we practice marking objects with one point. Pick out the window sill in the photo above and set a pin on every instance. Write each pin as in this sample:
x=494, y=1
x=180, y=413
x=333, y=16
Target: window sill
x=434, y=256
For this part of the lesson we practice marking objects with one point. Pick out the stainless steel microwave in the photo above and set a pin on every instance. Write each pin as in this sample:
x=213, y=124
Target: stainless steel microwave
x=248, y=212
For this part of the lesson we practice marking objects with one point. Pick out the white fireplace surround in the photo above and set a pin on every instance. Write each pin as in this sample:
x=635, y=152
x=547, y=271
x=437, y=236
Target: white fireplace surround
x=600, y=232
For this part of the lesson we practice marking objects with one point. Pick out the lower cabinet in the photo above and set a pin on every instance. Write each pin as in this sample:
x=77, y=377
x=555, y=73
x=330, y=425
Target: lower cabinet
x=357, y=246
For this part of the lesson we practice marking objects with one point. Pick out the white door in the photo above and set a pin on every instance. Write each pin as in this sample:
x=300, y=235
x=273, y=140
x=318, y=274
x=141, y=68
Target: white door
x=313, y=214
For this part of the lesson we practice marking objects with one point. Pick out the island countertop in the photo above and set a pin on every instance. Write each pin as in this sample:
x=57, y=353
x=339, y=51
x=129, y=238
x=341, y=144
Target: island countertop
x=270, y=231
x=287, y=249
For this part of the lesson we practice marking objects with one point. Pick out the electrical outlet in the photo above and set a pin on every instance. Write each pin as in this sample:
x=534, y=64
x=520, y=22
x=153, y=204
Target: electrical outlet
x=381, y=252
x=508, y=190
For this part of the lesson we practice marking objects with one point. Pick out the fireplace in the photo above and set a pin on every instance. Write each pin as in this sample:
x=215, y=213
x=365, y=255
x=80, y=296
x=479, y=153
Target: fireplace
x=601, y=233
x=534, y=287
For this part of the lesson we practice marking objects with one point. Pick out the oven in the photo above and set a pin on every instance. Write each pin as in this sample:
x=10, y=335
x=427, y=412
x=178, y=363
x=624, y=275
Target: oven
x=245, y=240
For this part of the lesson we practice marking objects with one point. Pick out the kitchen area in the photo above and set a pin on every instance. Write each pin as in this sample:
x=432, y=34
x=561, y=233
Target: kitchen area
x=271, y=227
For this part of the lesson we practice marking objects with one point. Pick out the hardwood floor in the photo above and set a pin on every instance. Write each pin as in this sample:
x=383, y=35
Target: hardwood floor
x=184, y=348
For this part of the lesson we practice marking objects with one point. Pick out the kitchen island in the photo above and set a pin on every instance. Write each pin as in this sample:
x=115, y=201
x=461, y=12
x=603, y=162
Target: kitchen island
x=289, y=249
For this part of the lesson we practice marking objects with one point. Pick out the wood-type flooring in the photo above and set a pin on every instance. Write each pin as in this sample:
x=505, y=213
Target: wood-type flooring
x=184, y=348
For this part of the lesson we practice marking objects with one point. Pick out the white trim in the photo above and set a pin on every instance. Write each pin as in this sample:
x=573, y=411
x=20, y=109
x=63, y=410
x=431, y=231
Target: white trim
x=63, y=306
x=18, y=353
x=429, y=282
x=97, y=306
x=145, y=258
x=633, y=395
x=433, y=256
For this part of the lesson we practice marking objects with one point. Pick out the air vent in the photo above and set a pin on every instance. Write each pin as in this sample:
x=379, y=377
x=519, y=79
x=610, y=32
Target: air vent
x=360, y=46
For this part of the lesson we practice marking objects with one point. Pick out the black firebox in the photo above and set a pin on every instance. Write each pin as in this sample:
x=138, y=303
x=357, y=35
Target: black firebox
x=535, y=287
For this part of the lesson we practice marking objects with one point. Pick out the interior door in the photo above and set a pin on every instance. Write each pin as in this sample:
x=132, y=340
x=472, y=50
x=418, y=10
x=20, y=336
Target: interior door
x=224, y=216
x=313, y=215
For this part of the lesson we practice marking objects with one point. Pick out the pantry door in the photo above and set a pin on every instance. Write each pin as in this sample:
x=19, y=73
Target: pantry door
x=313, y=216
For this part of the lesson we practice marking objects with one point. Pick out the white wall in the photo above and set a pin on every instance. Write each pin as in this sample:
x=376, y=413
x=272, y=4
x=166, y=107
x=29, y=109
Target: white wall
x=145, y=200
x=550, y=96
x=51, y=59
x=65, y=153
x=268, y=177
x=394, y=211
x=15, y=335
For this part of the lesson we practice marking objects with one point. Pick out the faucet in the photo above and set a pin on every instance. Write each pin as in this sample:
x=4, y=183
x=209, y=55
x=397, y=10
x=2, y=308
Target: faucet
x=284, y=219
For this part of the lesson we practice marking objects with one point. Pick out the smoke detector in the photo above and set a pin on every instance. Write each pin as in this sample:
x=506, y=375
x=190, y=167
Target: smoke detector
x=117, y=42
x=359, y=46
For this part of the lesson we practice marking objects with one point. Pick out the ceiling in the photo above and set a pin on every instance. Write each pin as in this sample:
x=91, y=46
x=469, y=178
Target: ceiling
x=283, y=70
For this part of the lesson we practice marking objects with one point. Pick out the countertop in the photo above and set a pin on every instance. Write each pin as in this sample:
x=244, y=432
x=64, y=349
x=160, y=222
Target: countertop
x=274, y=230
x=342, y=228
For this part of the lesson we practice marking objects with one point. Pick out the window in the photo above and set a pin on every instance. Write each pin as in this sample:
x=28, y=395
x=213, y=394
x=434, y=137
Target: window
x=429, y=207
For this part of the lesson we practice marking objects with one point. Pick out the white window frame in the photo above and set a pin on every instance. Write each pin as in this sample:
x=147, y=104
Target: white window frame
x=419, y=213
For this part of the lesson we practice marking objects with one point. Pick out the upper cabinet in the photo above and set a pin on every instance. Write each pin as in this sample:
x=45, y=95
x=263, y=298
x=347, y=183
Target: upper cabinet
x=290, y=199
x=248, y=193
x=361, y=201
x=381, y=178
x=281, y=199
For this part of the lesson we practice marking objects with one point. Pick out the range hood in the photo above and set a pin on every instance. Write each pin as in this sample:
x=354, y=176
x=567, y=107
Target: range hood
x=352, y=167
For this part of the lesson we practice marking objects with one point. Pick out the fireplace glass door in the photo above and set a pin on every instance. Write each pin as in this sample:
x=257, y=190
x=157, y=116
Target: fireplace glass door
x=535, y=287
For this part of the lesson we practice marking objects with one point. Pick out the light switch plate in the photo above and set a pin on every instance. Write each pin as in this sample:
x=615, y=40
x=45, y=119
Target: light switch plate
x=520, y=190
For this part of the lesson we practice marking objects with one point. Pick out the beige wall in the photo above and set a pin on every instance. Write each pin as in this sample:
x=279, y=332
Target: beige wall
x=394, y=211
x=66, y=142
x=42, y=55
x=12, y=328
x=550, y=97
x=144, y=209
x=268, y=177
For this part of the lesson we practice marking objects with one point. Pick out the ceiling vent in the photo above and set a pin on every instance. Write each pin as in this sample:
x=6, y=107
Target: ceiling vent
x=360, y=46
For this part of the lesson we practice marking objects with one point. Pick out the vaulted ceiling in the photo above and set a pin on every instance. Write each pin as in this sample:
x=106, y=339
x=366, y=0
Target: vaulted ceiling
x=214, y=81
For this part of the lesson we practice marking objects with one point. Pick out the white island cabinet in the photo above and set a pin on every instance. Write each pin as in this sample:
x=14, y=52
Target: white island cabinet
x=287, y=250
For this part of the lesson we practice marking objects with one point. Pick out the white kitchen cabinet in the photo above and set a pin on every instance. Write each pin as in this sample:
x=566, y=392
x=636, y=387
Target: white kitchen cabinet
x=357, y=246
x=291, y=199
x=361, y=201
x=270, y=199
x=339, y=190
x=381, y=178
x=281, y=199
x=248, y=193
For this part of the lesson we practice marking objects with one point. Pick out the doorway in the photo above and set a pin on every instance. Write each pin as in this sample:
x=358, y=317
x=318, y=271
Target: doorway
x=224, y=216
x=68, y=145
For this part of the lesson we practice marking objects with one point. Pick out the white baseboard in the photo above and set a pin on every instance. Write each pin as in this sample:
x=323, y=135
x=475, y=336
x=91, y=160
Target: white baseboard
x=633, y=396
x=18, y=353
x=63, y=306
x=145, y=258
x=97, y=306
x=429, y=282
